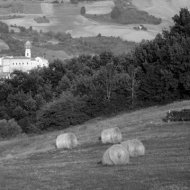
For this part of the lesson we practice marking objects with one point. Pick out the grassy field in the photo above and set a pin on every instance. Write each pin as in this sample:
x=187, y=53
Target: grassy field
x=164, y=9
x=50, y=54
x=3, y=45
x=33, y=163
x=30, y=7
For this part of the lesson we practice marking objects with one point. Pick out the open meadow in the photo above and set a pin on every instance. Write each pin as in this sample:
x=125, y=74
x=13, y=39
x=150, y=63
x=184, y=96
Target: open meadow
x=49, y=54
x=33, y=163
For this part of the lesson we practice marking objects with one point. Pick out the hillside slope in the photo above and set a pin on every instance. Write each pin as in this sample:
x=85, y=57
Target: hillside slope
x=34, y=163
x=164, y=9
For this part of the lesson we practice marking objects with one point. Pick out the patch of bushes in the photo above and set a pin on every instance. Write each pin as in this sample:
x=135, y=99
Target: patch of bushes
x=116, y=13
x=83, y=11
x=9, y=128
x=183, y=115
x=126, y=15
x=43, y=19
x=4, y=28
x=62, y=113
x=134, y=16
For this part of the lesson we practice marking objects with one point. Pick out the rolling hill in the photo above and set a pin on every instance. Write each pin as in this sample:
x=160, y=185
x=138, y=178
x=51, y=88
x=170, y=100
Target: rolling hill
x=34, y=163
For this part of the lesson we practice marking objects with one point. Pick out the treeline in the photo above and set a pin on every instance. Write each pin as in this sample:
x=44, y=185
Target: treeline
x=133, y=16
x=71, y=92
x=124, y=12
x=66, y=93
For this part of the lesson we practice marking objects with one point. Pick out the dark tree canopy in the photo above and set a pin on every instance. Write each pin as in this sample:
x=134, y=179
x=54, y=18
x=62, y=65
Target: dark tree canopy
x=72, y=91
x=83, y=11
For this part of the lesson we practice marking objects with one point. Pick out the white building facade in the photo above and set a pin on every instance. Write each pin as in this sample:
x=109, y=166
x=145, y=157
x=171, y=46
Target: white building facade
x=25, y=63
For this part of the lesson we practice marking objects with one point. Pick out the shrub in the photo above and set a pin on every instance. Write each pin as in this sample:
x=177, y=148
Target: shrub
x=116, y=13
x=66, y=111
x=9, y=128
x=28, y=126
x=183, y=115
x=133, y=16
x=83, y=11
x=43, y=19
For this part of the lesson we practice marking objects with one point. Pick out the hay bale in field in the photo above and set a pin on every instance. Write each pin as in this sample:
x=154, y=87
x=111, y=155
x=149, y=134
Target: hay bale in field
x=111, y=135
x=115, y=155
x=67, y=141
x=135, y=147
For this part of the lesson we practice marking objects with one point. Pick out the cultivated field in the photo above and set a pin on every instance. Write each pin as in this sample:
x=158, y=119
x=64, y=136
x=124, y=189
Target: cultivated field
x=67, y=18
x=32, y=163
x=162, y=8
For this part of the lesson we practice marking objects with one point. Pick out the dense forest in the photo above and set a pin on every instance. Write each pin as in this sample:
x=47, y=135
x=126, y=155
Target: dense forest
x=73, y=91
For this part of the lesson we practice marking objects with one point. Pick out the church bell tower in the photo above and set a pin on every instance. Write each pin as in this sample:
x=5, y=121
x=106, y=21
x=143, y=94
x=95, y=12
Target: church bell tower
x=28, y=49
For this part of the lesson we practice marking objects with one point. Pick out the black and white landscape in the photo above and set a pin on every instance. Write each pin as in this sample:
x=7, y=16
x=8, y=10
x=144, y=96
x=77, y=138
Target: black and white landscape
x=94, y=94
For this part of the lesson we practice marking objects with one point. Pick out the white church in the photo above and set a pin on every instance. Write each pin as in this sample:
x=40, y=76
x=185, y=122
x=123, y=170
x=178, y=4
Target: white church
x=24, y=63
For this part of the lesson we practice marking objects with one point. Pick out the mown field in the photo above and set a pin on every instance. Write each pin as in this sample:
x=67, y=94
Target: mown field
x=33, y=163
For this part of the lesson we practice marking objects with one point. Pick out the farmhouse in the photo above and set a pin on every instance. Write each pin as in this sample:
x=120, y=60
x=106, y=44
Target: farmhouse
x=24, y=63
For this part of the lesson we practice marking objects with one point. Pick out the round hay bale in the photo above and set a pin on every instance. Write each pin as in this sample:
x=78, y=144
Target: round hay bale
x=135, y=147
x=115, y=155
x=111, y=135
x=67, y=141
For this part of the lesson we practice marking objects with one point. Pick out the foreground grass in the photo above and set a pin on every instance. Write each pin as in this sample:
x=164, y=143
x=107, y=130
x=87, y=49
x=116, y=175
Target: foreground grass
x=34, y=163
